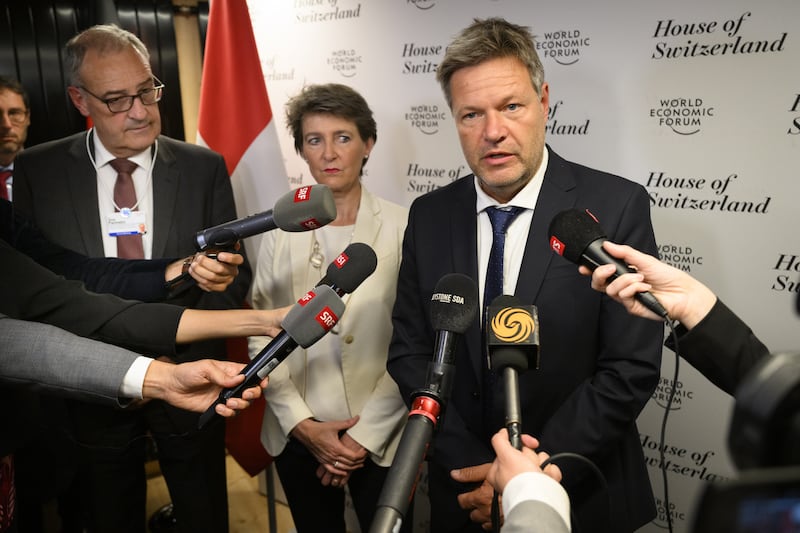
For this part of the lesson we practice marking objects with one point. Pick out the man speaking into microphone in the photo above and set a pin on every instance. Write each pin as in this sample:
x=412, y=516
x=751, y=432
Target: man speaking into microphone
x=599, y=365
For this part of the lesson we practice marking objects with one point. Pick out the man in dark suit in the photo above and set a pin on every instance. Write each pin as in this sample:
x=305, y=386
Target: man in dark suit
x=68, y=188
x=599, y=366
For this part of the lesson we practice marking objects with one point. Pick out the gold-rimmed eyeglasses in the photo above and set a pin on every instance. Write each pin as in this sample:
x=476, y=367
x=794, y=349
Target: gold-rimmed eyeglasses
x=121, y=104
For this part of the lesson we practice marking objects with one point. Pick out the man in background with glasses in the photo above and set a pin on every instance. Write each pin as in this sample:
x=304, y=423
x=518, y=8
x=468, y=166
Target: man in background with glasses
x=122, y=189
x=15, y=117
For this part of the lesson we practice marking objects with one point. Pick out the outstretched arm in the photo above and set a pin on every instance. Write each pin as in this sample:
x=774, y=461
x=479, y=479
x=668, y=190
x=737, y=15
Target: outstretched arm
x=196, y=385
x=198, y=324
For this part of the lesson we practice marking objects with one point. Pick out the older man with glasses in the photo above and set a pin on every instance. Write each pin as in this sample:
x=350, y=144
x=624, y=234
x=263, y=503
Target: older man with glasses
x=122, y=189
x=15, y=117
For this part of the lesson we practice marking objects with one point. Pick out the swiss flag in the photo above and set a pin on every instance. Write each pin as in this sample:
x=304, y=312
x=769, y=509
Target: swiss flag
x=235, y=119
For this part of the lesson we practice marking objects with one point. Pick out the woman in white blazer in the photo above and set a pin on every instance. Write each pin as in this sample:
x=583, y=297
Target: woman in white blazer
x=334, y=415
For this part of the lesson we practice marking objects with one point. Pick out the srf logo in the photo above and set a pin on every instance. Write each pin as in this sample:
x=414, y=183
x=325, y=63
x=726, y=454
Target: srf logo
x=302, y=194
x=307, y=297
x=341, y=260
x=327, y=319
x=311, y=223
x=557, y=245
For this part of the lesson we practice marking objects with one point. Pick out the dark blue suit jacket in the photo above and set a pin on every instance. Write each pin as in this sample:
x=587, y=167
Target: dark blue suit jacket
x=599, y=365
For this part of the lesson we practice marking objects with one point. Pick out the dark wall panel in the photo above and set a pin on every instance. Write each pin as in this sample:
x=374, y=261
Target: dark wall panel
x=32, y=37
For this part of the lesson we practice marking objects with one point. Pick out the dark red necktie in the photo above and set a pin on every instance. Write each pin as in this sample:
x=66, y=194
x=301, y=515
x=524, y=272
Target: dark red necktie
x=7, y=493
x=4, y=175
x=128, y=246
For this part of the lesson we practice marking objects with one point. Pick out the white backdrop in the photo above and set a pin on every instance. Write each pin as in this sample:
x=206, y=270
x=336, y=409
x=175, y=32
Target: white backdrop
x=698, y=101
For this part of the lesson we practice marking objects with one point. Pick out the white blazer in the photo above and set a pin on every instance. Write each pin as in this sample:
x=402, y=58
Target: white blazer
x=283, y=275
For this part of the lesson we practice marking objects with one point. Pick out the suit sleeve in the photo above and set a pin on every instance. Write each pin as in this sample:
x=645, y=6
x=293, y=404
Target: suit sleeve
x=721, y=347
x=535, y=516
x=127, y=278
x=628, y=358
x=31, y=292
x=54, y=360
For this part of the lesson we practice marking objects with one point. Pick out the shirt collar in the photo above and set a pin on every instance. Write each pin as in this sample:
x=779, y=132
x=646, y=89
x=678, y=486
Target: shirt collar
x=103, y=156
x=525, y=198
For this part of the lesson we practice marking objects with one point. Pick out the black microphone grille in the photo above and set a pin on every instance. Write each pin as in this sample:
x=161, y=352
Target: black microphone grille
x=352, y=266
x=454, y=303
x=572, y=230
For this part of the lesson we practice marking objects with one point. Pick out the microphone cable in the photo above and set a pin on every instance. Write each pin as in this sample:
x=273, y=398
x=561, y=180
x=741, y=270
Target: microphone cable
x=595, y=470
x=662, y=436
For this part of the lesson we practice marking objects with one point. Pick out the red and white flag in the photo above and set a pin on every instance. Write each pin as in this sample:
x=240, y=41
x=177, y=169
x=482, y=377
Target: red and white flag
x=235, y=118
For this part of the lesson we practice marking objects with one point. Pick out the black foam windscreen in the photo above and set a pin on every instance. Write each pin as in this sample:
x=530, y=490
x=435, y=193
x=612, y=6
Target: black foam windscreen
x=512, y=334
x=454, y=303
x=305, y=208
x=573, y=230
x=351, y=267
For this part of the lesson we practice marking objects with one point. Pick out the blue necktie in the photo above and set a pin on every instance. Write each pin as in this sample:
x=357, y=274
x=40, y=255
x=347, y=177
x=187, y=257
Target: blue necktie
x=501, y=219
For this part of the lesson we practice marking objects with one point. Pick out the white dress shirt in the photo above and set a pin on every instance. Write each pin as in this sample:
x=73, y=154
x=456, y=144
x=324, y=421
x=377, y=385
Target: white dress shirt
x=516, y=236
x=107, y=177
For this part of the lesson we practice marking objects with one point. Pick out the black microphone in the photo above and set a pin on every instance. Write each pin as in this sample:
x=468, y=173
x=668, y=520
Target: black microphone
x=576, y=235
x=350, y=268
x=454, y=306
x=306, y=322
x=512, y=338
x=302, y=209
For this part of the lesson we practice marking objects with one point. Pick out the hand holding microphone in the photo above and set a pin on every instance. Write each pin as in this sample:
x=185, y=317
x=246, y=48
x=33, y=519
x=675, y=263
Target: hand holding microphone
x=303, y=209
x=576, y=235
x=305, y=323
x=309, y=319
x=686, y=299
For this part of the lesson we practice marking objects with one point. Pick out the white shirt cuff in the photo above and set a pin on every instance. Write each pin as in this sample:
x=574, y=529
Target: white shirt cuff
x=536, y=486
x=133, y=382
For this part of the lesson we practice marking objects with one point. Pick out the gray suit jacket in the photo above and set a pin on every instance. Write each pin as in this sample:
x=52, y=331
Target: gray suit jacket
x=533, y=516
x=57, y=361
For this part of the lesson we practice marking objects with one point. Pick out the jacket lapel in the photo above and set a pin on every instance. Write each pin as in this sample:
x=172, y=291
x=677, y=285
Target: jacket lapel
x=166, y=178
x=82, y=178
x=464, y=239
x=557, y=193
x=368, y=220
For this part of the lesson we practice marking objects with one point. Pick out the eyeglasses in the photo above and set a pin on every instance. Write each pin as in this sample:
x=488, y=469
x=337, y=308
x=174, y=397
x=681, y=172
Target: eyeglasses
x=15, y=116
x=121, y=104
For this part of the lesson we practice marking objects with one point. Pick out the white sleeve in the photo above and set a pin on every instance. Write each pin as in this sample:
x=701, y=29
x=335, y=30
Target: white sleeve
x=536, y=486
x=133, y=381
